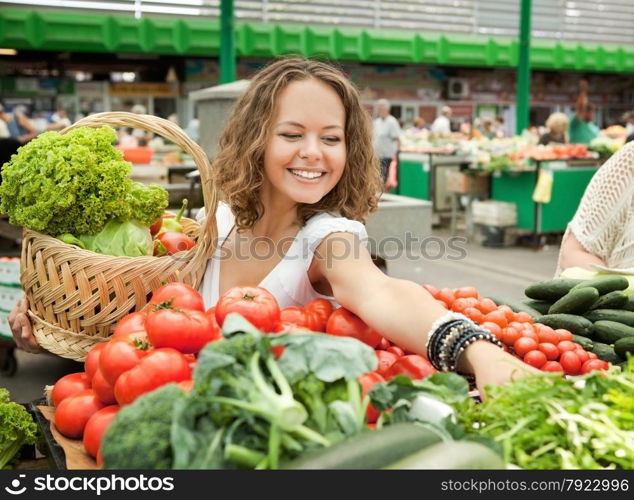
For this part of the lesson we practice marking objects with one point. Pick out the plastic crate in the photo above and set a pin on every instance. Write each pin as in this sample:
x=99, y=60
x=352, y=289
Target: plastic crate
x=494, y=213
x=9, y=295
x=10, y=271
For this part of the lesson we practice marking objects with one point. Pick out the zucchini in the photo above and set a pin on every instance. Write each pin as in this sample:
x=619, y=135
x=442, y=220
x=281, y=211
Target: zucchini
x=517, y=306
x=451, y=455
x=551, y=290
x=611, y=300
x=609, y=332
x=540, y=306
x=605, y=284
x=584, y=342
x=576, y=301
x=618, y=315
x=623, y=346
x=629, y=305
x=577, y=325
x=606, y=353
x=370, y=449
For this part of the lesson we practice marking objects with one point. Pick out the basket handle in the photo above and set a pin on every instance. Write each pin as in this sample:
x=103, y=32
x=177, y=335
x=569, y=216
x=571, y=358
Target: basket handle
x=174, y=133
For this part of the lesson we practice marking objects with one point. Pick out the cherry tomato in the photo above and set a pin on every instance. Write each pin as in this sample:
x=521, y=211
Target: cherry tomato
x=255, y=304
x=486, y=306
x=563, y=334
x=474, y=314
x=535, y=358
x=367, y=381
x=344, y=323
x=510, y=335
x=508, y=312
x=396, y=350
x=386, y=360
x=524, y=345
x=594, y=364
x=570, y=362
x=547, y=334
x=459, y=305
x=582, y=354
x=466, y=291
x=550, y=350
x=96, y=427
x=566, y=345
x=73, y=412
x=447, y=296
x=69, y=385
x=497, y=317
x=494, y=328
x=524, y=317
x=413, y=365
x=180, y=296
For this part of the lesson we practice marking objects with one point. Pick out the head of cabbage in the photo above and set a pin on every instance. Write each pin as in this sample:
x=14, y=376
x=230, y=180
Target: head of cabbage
x=117, y=238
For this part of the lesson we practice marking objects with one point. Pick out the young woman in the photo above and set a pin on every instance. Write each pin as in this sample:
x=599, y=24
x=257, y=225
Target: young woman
x=299, y=175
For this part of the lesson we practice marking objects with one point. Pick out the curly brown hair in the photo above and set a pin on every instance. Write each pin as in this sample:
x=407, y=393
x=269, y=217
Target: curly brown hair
x=238, y=168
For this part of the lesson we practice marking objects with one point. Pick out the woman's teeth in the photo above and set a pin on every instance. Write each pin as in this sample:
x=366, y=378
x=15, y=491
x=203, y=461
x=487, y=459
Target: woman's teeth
x=307, y=175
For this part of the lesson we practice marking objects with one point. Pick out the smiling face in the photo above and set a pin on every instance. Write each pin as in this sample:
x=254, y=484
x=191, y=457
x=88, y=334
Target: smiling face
x=305, y=153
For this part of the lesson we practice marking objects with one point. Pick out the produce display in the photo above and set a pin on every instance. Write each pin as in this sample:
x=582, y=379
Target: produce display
x=245, y=385
x=17, y=428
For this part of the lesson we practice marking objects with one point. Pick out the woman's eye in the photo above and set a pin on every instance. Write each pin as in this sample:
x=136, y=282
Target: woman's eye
x=332, y=139
x=291, y=136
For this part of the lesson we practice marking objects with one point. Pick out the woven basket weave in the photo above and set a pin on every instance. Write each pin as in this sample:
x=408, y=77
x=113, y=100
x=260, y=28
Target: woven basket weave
x=77, y=296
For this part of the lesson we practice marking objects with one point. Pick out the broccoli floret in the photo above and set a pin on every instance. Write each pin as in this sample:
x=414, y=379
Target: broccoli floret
x=139, y=438
x=16, y=428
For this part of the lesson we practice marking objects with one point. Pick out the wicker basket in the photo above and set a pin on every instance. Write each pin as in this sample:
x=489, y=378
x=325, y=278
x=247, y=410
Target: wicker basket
x=77, y=296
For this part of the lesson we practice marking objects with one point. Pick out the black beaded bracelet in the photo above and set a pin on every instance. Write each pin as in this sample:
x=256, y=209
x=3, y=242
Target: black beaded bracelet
x=464, y=342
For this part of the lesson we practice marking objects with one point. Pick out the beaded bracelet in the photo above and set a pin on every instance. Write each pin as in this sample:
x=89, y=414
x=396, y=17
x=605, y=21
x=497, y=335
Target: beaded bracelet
x=473, y=336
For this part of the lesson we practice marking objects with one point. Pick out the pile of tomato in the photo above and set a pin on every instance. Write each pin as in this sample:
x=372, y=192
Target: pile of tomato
x=536, y=344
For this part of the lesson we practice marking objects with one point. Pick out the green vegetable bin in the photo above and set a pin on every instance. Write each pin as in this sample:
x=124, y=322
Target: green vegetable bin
x=76, y=296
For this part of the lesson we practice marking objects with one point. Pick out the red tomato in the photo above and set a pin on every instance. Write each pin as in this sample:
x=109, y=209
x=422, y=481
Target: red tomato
x=413, y=365
x=530, y=334
x=582, y=354
x=509, y=314
x=497, y=317
x=494, y=328
x=570, y=362
x=594, y=364
x=447, y=296
x=592, y=355
x=486, y=306
x=367, y=381
x=183, y=330
x=547, y=334
x=92, y=360
x=474, y=314
x=524, y=345
x=131, y=323
x=433, y=291
x=550, y=350
x=459, y=305
x=466, y=291
x=69, y=385
x=535, y=358
x=510, y=335
x=386, y=360
x=159, y=367
x=96, y=427
x=256, y=304
x=103, y=389
x=211, y=316
x=346, y=324
x=321, y=309
x=384, y=344
x=566, y=345
x=99, y=459
x=172, y=242
x=122, y=354
x=72, y=413
x=156, y=227
x=552, y=366
x=294, y=315
x=394, y=349
x=563, y=334
x=180, y=296
x=524, y=317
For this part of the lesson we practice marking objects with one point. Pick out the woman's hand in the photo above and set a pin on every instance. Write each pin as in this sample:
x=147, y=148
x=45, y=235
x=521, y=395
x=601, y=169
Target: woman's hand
x=21, y=328
x=493, y=366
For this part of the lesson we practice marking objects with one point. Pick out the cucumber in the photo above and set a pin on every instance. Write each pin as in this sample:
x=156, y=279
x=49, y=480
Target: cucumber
x=609, y=332
x=370, y=449
x=629, y=305
x=605, y=284
x=577, y=325
x=551, y=290
x=451, y=455
x=623, y=346
x=618, y=315
x=575, y=301
x=606, y=353
x=611, y=300
x=540, y=306
x=584, y=342
x=517, y=306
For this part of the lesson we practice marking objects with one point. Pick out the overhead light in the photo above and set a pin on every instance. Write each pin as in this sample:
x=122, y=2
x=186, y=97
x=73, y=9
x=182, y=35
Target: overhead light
x=8, y=52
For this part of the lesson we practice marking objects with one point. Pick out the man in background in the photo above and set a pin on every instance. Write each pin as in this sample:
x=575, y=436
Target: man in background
x=581, y=129
x=386, y=136
x=442, y=125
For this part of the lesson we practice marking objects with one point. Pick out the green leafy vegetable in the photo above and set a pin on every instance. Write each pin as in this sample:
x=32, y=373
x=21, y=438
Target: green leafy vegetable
x=16, y=428
x=117, y=238
x=75, y=183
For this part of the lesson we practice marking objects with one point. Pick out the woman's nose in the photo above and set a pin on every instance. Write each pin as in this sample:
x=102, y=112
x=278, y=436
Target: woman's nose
x=310, y=150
